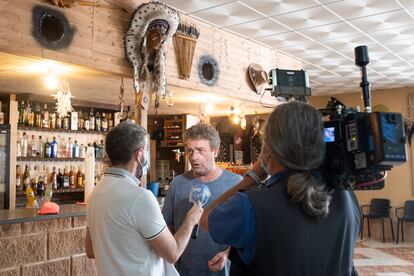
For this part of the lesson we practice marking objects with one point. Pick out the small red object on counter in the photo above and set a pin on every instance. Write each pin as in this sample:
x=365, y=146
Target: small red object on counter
x=49, y=208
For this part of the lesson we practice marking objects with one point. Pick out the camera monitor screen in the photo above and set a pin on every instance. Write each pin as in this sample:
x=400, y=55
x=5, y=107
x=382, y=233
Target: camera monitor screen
x=329, y=134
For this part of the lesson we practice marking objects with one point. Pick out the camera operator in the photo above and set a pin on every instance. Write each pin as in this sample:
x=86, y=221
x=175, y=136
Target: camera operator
x=294, y=224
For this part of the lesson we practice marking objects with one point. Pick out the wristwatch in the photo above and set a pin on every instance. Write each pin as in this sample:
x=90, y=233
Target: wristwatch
x=254, y=176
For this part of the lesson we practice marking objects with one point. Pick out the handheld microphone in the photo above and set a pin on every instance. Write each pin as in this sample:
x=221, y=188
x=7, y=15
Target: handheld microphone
x=199, y=194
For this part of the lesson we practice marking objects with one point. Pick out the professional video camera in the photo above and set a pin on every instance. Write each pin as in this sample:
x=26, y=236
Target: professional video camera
x=360, y=146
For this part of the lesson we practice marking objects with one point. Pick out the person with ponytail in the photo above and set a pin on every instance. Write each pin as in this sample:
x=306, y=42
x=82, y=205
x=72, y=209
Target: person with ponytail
x=283, y=218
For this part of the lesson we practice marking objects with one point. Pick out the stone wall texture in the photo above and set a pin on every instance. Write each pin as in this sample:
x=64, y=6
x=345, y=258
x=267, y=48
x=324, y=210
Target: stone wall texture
x=48, y=247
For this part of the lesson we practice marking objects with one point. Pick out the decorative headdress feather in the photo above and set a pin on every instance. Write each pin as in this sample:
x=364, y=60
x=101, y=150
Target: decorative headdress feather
x=150, y=16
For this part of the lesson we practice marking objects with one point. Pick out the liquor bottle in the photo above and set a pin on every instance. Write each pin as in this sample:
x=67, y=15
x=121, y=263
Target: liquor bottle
x=54, y=148
x=19, y=146
x=91, y=120
x=72, y=178
x=31, y=198
x=19, y=181
x=22, y=118
x=52, y=119
x=83, y=179
x=25, y=145
x=48, y=149
x=68, y=149
x=62, y=147
x=48, y=192
x=46, y=117
x=30, y=115
x=1, y=115
x=73, y=120
x=65, y=122
x=79, y=178
x=46, y=174
x=82, y=151
x=26, y=177
x=40, y=187
x=80, y=120
x=65, y=178
x=60, y=179
x=58, y=121
x=100, y=150
x=86, y=124
x=38, y=116
x=35, y=178
x=53, y=179
x=98, y=125
x=104, y=122
x=75, y=150
x=33, y=147
x=95, y=149
x=110, y=121
x=40, y=147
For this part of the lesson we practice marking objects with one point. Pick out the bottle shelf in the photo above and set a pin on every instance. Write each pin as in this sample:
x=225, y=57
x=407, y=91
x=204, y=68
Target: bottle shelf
x=57, y=191
x=172, y=144
x=174, y=130
x=60, y=130
x=41, y=159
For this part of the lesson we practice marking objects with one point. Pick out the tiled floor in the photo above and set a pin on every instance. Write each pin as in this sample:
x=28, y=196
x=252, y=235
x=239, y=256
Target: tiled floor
x=384, y=259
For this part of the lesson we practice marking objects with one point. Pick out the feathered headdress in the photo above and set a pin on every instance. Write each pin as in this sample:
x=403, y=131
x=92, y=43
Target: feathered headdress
x=156, y=14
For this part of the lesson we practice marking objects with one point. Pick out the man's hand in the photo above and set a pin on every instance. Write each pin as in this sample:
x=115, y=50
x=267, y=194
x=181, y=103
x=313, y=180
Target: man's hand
x=217, y=263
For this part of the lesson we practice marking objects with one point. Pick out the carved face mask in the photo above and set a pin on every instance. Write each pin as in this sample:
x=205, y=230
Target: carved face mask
x=155, y=39
x=157, y=32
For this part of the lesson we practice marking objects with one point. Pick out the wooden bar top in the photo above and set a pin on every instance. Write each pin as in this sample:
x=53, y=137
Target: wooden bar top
x=26, y=214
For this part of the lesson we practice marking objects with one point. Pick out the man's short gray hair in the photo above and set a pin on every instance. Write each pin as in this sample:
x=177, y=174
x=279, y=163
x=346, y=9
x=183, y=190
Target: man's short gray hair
x=123, y=140
x=203, y=131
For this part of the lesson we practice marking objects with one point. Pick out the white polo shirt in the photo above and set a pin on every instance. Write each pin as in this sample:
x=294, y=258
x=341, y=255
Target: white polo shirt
x=122, y=217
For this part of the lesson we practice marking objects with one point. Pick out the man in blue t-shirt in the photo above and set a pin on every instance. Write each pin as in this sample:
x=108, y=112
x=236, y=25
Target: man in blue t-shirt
x=202, y=256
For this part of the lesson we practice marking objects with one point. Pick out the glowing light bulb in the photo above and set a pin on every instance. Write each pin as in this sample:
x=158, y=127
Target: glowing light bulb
x=236, y=119
x=210, y=108
x=51, y=82
x=243, y=123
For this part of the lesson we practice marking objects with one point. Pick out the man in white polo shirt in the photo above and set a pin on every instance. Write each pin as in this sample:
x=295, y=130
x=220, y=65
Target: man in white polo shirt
x=126, y=233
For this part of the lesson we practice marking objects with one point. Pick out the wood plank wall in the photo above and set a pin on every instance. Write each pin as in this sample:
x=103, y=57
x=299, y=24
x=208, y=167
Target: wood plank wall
x=98, y=44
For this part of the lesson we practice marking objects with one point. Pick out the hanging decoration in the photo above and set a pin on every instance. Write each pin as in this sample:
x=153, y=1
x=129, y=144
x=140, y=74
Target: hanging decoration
x=51, y=28
x=258, y=78
x=208, y=70
x=121, y=97
x=63, y=97
x=146, y=42
x=185, y=40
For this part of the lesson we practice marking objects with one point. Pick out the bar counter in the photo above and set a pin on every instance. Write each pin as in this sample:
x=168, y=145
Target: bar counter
x=28, y=214
x=31, y=244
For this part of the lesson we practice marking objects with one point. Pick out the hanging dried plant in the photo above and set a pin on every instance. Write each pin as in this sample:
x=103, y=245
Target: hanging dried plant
x=63, y=97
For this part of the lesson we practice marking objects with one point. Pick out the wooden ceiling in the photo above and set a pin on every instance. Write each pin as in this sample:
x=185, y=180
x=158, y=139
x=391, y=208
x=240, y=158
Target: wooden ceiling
x=22, y=74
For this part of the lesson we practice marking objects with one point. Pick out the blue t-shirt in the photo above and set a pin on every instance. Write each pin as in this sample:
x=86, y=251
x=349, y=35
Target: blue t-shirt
x=194, y=260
